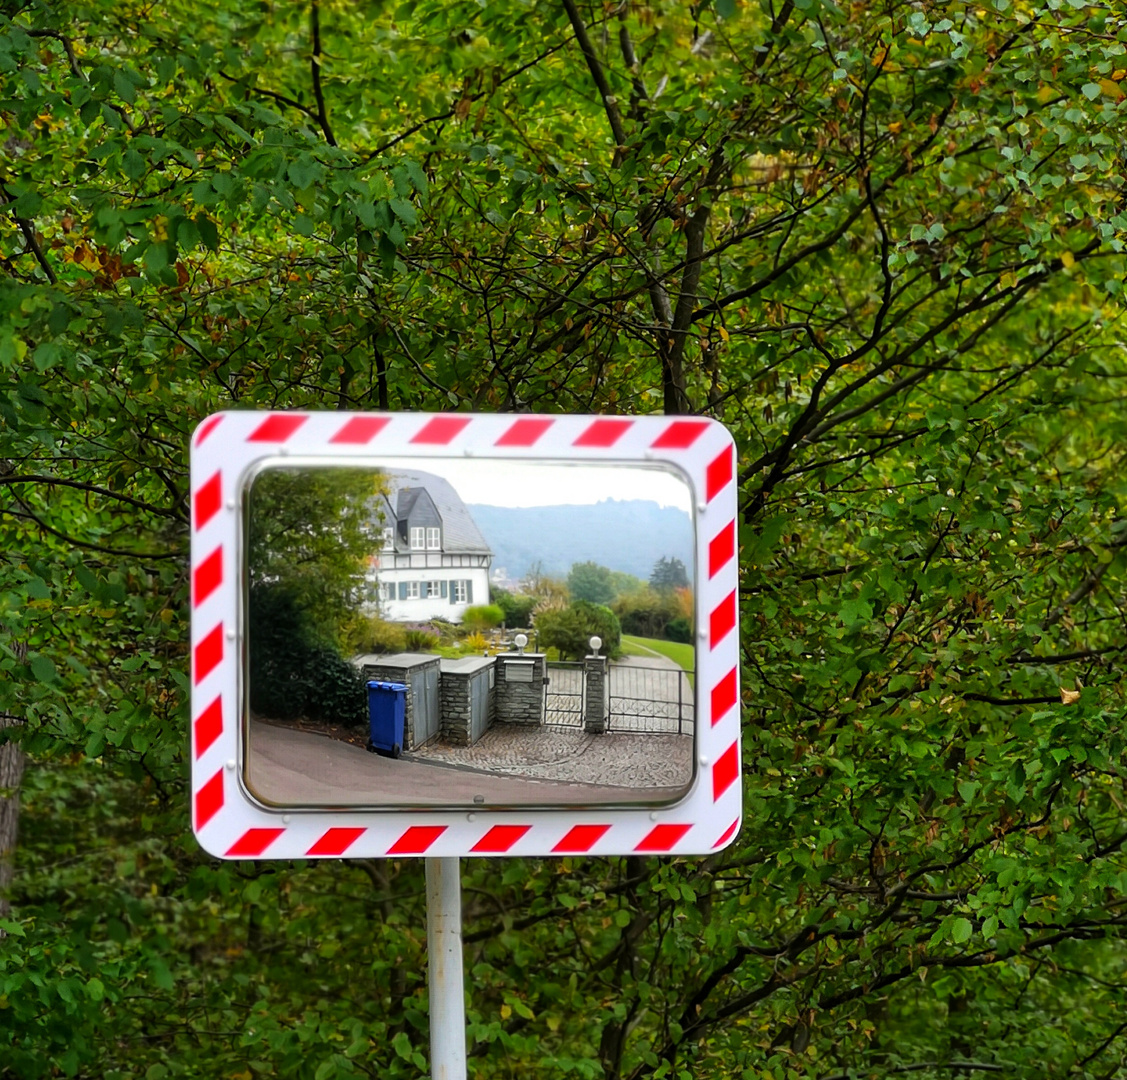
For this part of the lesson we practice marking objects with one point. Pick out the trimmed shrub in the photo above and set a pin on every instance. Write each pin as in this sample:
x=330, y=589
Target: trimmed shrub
x=570, y=629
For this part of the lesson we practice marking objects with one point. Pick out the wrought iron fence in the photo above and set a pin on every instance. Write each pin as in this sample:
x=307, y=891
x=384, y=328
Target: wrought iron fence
x=650, y=700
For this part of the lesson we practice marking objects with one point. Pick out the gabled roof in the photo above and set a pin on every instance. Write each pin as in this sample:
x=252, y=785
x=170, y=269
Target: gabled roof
x=460, y=533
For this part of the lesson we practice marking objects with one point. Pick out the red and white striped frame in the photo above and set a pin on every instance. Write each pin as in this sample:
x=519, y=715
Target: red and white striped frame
x=230, y=824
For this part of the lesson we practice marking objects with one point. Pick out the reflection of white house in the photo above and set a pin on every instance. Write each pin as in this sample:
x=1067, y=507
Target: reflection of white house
x=434, y=562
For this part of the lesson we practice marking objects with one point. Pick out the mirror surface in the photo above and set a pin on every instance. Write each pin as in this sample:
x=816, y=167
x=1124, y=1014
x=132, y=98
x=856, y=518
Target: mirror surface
x=385, y=611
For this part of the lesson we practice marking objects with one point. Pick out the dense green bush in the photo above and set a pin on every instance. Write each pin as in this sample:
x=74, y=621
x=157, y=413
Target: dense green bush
x=646, y=612
x=376, y=635
x=679, y=629
x=570, y=629
x=293, y=674
x=517, y=607
x=418, y=640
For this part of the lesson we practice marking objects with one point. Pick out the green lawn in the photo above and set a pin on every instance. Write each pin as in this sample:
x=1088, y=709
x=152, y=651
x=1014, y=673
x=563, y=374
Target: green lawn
x=683, y=655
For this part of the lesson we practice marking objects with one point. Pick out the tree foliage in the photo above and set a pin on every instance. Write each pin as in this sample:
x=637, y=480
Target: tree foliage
x=591, y=582
x=669, y=574
x=883, y=243
x=310, y=534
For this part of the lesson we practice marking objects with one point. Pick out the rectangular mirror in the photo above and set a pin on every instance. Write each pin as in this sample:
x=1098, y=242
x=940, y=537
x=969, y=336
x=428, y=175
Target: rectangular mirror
x=460, y=632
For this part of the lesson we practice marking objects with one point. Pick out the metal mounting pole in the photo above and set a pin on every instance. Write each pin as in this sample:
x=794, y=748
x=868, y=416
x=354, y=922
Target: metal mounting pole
x=444, y=975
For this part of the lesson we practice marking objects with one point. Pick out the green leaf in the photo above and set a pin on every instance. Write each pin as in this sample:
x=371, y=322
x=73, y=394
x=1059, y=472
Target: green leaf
x=403, y=210
x=304, y=172
x=961, y=930
x=162, y=976
x=401, y=1043
x=124, y=87
x=1091, y=90
x=43, y=669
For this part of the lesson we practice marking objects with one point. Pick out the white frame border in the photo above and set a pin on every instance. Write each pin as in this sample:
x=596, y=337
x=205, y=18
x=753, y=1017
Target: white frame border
x=229, y=823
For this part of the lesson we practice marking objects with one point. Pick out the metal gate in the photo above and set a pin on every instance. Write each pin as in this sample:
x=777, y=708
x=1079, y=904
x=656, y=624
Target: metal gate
x=563, y=695
x=650, y=700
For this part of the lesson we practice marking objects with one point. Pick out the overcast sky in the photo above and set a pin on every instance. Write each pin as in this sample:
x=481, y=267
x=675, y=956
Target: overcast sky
x=495, y=482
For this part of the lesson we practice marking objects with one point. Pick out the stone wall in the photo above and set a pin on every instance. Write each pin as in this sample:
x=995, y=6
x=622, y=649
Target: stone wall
x=595, y=704
x=455, y=698
x=520, y=700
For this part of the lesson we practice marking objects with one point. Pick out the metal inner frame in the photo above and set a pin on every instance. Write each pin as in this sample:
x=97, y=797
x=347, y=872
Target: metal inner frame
x=571, y=711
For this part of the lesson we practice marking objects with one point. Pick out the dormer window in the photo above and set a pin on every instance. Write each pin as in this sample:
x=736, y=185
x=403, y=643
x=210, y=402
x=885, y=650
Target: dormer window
x=434, y=539
x=418, y=539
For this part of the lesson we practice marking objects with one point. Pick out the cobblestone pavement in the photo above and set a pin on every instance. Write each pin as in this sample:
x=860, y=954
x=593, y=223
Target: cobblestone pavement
x=627, y=760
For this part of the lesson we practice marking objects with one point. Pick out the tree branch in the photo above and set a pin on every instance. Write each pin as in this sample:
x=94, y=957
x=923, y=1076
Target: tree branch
x=315, y=68
x=610, y=102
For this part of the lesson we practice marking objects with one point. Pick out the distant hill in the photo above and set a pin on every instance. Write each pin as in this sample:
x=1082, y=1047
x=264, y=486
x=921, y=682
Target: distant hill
x=628, y=535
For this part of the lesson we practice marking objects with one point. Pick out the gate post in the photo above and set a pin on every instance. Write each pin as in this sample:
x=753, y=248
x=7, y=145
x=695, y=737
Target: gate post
x=595, y=694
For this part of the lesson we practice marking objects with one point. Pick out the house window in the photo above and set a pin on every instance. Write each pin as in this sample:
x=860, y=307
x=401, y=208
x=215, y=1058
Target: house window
x=432, y=589
x=459, y=592
x=388, y=539
x=385, y=591
x=434, y=539
x=418, y=539
x=412, y=590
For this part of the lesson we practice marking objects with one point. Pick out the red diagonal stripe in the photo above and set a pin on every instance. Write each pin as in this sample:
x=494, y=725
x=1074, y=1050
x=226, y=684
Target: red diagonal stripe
x=440, y=430
x=209, y=726
x=524, y=432
x=662, y=837
x=209, y=800
x=336, y=841
x=416, y=839
x=253, y=842
x=208, y=655
x=680, y=435
x=724, y=696
x=604, y=433
x=718, y=473
x=722, y=620
x=725, y=771
x=581, y=838
x=208, y=500
x=277, y=428
x=207, y=577
x=727, y=835
x=361, y=429
x=500, y=838
x=206, y=428
x=722, y=548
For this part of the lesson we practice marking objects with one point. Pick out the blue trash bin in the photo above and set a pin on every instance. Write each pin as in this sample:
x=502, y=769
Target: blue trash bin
x=387, y=706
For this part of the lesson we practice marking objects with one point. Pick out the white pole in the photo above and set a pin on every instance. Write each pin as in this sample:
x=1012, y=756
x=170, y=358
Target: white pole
x=444, y=962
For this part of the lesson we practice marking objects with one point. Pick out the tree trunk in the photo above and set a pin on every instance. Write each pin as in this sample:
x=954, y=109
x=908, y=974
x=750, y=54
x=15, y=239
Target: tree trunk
x=11, y=771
